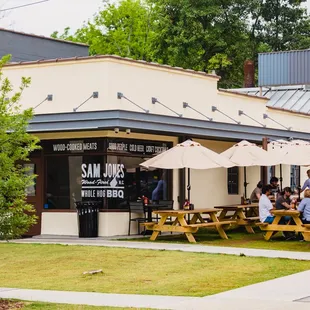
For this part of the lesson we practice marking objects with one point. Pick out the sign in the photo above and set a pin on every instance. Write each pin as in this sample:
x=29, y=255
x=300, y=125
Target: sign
x=103, y=183
x=72, y=146
x=100, y=145
x=137, y=146
x=75, y=147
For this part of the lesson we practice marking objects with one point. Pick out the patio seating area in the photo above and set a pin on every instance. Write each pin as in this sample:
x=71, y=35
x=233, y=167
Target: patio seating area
x=192, y=155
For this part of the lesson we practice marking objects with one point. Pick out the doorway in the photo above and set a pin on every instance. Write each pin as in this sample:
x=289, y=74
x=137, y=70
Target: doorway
x=34, y=194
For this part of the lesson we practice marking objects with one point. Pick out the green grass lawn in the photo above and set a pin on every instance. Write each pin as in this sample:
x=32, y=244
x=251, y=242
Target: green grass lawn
x=26, y=305
x=237, y=237
x=48, y=306
x=130, y=271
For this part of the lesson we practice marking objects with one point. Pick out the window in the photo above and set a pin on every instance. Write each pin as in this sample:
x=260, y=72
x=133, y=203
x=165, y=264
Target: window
x=295, y=177
x=31, y=171
x=271, y=172
x=64, y=180
x=233, y=180
x=87, y=171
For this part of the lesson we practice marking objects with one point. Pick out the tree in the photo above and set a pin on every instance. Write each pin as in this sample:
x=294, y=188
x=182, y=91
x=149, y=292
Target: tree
x=278, y=25
x=125, y=29
x=203, y=35
x=222, y=34
x=16, y=216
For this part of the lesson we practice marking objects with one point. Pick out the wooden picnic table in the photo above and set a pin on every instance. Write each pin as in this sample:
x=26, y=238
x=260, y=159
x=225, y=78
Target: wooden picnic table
x=294, y=225
x=179, y=223
x=244, y=215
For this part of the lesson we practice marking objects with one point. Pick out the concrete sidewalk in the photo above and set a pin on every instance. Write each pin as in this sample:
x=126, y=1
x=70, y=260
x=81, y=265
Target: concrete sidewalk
x=168, y=247
x=287, y=293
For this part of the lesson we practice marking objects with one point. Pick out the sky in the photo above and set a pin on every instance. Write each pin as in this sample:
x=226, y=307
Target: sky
x=45, y=18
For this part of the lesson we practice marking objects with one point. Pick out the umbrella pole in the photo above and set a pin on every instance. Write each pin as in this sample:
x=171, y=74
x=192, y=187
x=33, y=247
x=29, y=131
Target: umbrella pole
x=189, y=190
x=281, y=178
x=189, y=184
x=245, y=183
x=299, y=185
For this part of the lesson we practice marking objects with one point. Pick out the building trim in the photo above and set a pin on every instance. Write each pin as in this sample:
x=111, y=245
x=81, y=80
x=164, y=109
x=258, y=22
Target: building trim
x=289, y=111
x=113, y=57
x=158, y=124
x=235, y=93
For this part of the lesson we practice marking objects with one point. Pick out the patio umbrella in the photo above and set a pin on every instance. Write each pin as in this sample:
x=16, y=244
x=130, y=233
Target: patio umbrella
x=297, y=152
x=191, y=155
x=247, y=154
x=279, y=148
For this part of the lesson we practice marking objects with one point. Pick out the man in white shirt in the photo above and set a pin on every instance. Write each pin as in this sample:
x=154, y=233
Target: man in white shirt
x=265, y=206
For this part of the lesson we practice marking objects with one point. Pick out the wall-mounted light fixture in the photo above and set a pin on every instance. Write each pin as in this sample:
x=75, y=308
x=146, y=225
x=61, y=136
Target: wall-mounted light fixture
x=154, y=100
x=215, y=109
x=186, y=105
x=48, y=98
x=266, y=116
x=128, y=131
x=121, y=95
x=94, y=95
x=253, y=119
x=116, y=130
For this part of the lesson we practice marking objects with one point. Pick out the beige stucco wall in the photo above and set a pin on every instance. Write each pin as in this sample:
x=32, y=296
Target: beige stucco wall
x=66, y=224
x=209, y=187
x=73, y=82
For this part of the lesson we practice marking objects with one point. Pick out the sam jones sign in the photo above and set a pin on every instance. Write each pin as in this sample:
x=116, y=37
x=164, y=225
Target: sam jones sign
x=103, y=183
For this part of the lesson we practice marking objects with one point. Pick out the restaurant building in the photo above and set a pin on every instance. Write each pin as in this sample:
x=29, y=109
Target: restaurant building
x=99, y=117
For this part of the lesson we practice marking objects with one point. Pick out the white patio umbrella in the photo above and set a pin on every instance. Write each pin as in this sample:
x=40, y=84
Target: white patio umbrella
x=191, y=155
x=247, y=154
x=297, y=153
x=279, y=148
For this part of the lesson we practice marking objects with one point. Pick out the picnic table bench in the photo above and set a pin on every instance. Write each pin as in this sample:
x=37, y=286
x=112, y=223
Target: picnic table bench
x=244, y=215
x=294, y=225
x=179, y=223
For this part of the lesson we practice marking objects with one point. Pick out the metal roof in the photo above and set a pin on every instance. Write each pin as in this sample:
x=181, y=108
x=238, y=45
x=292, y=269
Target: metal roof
x=42, y=37
x=290, y=98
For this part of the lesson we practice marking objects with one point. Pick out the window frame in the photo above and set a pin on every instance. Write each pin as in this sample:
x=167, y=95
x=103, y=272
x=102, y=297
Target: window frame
x=233, y=180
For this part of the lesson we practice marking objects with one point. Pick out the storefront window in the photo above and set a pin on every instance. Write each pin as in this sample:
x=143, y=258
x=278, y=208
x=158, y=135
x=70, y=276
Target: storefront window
x=114, y=177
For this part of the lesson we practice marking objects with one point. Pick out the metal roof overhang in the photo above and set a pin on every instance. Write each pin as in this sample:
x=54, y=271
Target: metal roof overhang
x=155, y=124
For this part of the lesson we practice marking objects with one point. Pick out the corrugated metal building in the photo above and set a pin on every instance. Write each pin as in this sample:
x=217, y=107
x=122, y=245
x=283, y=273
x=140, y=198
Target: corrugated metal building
x=28, y=47
x=284, y=68
x=284, y=78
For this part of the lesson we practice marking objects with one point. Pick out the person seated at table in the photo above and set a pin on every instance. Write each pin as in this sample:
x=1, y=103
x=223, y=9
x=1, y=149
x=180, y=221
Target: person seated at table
x=274, y=183
x=304, y=207
x=307, y=182
x=257, y=192
x=284, y=202
x=265, y=206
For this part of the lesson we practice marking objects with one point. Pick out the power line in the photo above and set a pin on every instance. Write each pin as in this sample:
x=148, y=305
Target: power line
x=24, y=5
